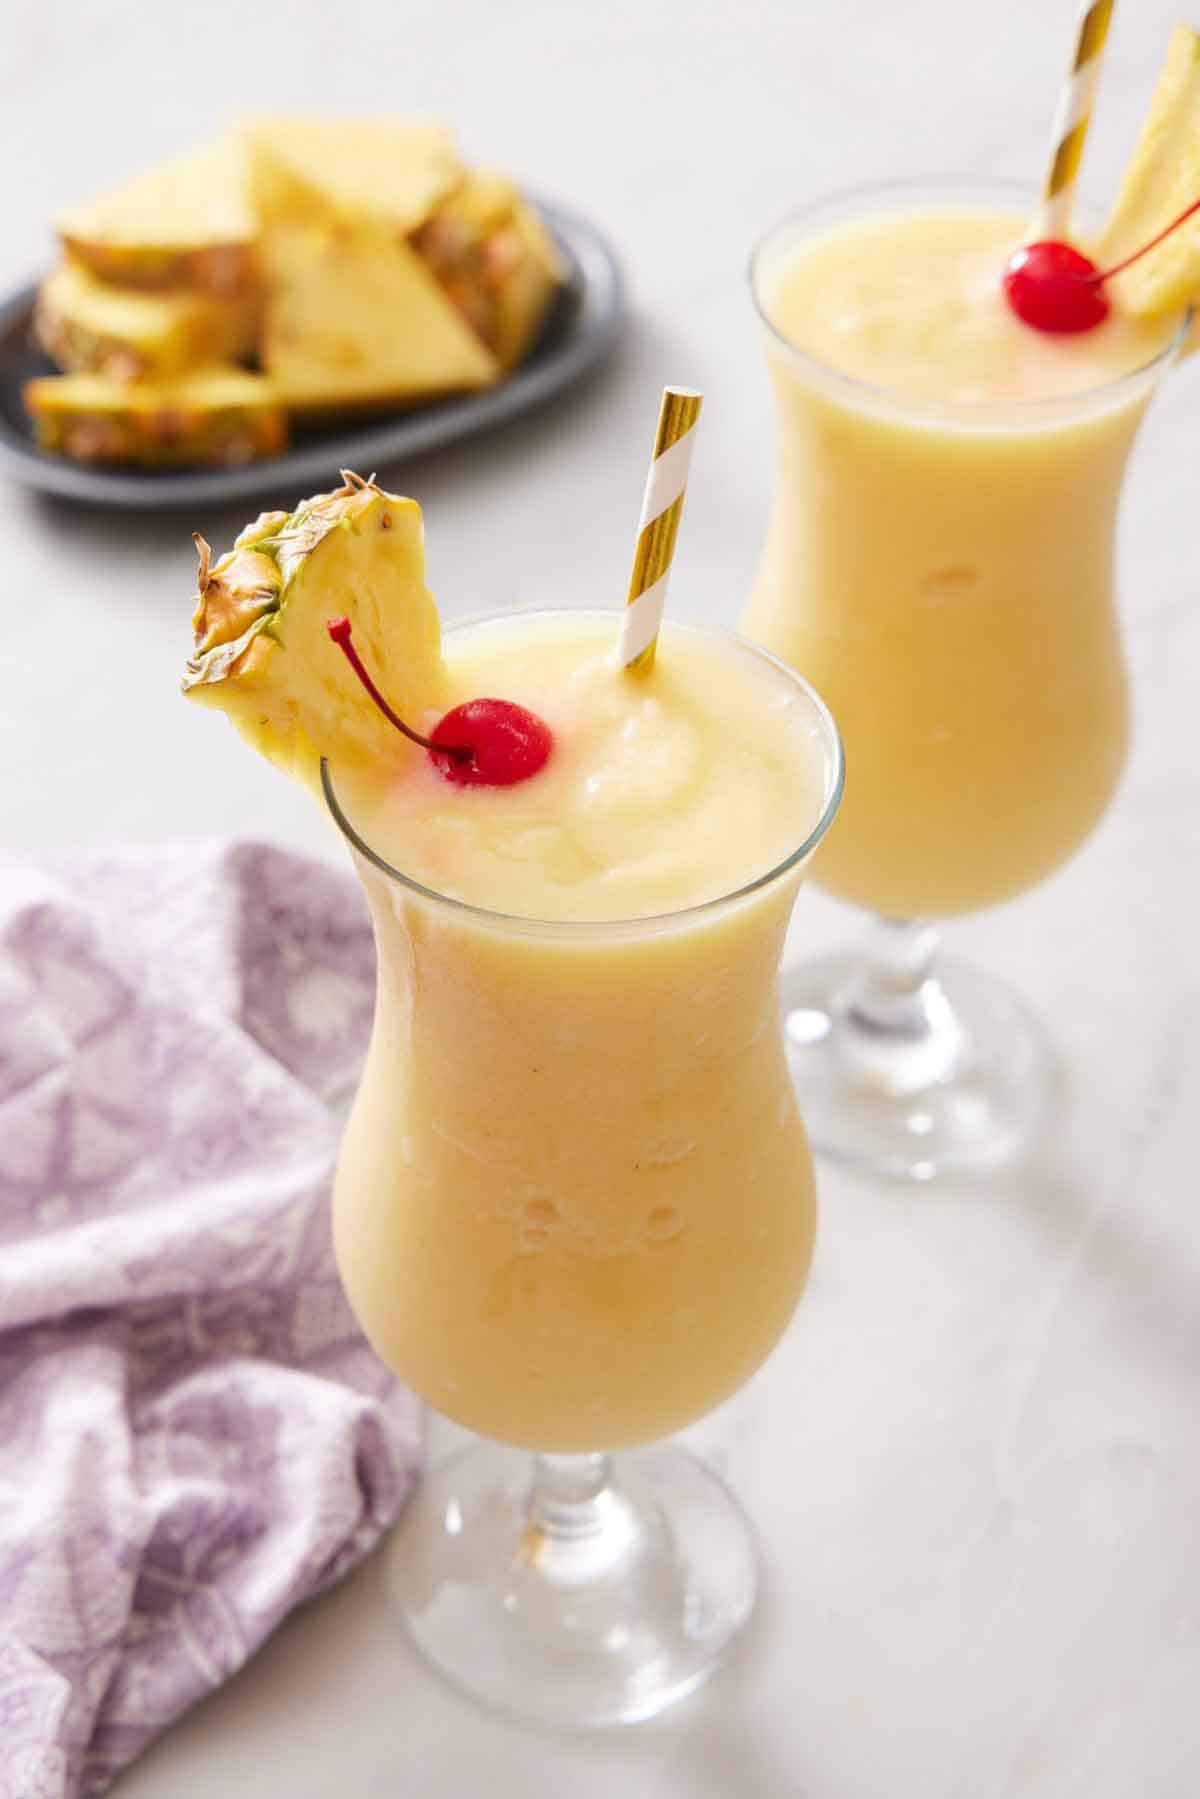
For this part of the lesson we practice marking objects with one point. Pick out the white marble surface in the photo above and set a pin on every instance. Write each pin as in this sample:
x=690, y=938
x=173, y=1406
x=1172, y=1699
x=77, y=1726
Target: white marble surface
x=974, y=1459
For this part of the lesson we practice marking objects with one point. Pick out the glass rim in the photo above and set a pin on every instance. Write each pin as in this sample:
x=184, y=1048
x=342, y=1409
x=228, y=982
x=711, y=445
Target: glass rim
x=940, y=187
x=527, y=924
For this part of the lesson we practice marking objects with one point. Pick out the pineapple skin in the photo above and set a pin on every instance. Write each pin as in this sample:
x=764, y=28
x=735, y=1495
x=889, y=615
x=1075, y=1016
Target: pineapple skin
x=198, y=421
x=490, y=251
x=221, y=269
x=524, y=296
x=90, y=327
x=261, y=651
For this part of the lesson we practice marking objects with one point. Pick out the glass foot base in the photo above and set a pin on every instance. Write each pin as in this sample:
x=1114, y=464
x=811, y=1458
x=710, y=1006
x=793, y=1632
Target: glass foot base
x=966, y=1089
x=604, y=1615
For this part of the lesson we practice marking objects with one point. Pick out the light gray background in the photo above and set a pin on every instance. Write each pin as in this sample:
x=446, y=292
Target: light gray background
x=974, y=1460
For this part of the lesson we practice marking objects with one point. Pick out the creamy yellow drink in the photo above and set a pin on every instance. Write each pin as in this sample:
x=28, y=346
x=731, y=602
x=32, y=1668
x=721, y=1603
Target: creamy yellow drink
x=574, y=1207
x=939, y=557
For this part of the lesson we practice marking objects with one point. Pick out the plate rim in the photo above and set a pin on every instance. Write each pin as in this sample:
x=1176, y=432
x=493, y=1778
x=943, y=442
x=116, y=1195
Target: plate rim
x=586, y=343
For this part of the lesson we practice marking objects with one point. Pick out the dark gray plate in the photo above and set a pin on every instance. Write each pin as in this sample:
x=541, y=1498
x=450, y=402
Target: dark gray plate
x=580, y=331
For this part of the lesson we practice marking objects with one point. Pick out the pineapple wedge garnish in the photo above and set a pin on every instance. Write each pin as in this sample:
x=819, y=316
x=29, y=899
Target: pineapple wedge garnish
x=128, y=334
x=183, y=224
x=1163, y=176
x=354, y=318
x=262, y=652
x=212, y=417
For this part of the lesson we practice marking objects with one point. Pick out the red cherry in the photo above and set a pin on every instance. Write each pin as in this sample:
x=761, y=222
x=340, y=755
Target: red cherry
x=1055, y=288
x=490, y=743
x=482, y=743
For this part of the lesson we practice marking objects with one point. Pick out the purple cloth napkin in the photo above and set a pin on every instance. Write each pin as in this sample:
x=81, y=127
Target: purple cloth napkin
x=193, y=1436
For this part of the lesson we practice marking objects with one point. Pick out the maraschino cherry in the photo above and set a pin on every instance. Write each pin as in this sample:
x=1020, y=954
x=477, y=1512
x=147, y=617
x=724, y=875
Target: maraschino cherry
x=1056, y=288
x=505, y=743
x=482, y=743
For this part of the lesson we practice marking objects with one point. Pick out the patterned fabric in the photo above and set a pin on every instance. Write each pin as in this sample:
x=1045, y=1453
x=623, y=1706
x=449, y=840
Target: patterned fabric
x=193, y=1436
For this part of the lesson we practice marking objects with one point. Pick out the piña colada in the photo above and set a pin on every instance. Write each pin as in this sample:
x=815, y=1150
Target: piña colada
x=939, y=558
x=575, y=1202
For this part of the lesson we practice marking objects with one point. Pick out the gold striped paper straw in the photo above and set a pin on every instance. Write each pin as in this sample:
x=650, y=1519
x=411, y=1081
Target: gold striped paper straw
x=1073, y=118
x=658, y=527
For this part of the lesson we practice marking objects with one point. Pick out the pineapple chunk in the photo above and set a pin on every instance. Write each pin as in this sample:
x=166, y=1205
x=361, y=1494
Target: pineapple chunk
x=349, y=171
x=213, y=416
x=496, y=261
x=184, y=224
x=489, y=250
x=1163, y=176
x=354, y=318
x=262, y=652
x=127, y=334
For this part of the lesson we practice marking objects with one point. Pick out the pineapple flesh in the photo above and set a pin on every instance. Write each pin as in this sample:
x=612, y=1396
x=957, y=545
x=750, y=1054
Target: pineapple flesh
x=184, y=224
x=349, y=171
x=487, y=248
x=215, y=416
x=353, y=318
x=261, y=648
x=1162, y=178
x=128, y=334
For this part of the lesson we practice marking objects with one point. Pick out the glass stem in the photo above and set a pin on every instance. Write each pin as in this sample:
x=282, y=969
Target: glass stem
x=567, y=1492
x=571, y=1496
x=576, y=1520
x=894, y=1019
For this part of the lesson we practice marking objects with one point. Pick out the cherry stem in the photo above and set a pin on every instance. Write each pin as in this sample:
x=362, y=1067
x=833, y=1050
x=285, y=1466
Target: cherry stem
x=339, y=631
x=1165, y=232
